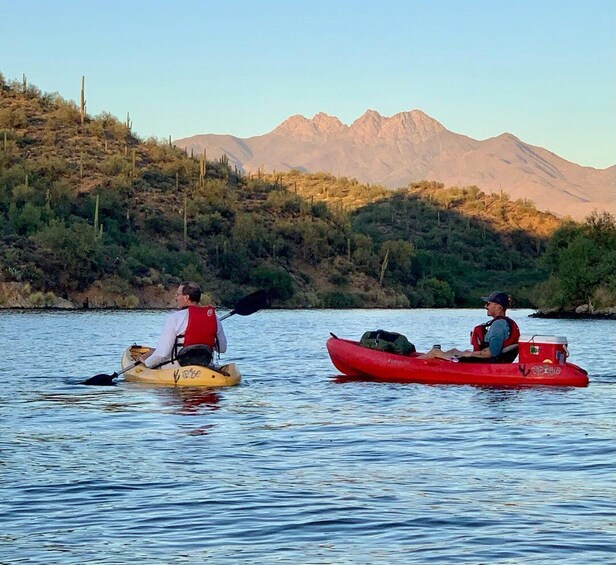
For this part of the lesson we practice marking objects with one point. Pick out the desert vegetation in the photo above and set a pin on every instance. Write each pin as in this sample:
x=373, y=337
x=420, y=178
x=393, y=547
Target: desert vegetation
x=85, y=203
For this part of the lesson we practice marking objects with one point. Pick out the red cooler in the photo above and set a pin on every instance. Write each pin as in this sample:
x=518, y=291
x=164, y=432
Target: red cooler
x=543, y=349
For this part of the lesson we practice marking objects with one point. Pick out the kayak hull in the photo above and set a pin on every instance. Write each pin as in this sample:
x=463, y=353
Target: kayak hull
x=174, y=375
x=355, y=361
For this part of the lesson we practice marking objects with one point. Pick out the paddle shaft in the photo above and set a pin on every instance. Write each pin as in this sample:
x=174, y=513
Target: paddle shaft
x=107, y=380
x=132, y=366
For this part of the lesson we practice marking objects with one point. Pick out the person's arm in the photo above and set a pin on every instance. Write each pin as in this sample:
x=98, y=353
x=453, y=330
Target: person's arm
x=497, y=334
x=220, y=337
x=164, y=348
x=481, y=353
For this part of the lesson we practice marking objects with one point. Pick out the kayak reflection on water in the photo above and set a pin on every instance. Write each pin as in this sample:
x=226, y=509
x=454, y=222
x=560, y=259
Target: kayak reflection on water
x=189, y=401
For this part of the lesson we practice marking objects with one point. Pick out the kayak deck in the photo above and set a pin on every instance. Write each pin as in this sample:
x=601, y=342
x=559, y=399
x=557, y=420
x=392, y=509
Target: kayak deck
x=172, y=374
x=353, y=360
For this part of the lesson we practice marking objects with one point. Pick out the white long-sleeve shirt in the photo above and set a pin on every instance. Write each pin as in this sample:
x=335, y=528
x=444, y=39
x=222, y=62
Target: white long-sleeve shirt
x=175, y=325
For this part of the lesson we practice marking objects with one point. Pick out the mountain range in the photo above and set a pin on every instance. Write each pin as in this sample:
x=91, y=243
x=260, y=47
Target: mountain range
x=411, y=146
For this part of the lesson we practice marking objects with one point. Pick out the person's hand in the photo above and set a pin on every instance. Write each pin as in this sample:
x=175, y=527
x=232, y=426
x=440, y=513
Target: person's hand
x=145, y=355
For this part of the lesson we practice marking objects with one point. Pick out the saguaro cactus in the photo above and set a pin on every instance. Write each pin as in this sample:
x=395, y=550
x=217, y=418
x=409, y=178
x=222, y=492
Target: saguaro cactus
x=202, y=168
x=96, y=228
x=185, y=222
x=83, y=100
x=384, y=267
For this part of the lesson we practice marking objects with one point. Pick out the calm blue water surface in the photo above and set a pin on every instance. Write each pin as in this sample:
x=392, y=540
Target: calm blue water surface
x=293, y=465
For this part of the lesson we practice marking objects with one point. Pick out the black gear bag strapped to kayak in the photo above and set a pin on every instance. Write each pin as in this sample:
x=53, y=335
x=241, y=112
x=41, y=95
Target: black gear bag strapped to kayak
x=390, y=342
x=195, y=354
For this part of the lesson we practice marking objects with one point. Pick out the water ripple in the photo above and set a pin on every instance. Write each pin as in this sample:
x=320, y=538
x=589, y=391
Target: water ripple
x=296, y=465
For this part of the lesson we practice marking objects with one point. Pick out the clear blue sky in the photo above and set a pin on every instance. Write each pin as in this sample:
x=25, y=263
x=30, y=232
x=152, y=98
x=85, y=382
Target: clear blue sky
x=544, y=70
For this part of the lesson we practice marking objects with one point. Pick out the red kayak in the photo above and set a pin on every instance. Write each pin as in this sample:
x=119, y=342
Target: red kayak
x=353, y=360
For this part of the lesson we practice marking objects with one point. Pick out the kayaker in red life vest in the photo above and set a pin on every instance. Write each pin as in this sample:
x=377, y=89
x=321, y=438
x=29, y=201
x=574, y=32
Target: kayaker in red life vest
x=198, y=325
x=491, y=340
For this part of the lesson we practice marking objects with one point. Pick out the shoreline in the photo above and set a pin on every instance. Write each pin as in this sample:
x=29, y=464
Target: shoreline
x=609, y=314
x=18, y=297
x=567, y=315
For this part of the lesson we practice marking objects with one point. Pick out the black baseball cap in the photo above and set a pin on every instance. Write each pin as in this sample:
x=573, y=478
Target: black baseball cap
x=498, y=298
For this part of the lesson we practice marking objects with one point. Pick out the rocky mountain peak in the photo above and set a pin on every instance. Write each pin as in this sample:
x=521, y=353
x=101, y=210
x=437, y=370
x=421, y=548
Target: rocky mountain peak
x=321, y=125
x=413, y=125
x=411, y=146
x=291, y=124
x=367, y=126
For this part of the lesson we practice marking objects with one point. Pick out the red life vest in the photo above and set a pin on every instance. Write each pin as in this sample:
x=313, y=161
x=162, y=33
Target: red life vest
x=478, y=335
x=202, y=326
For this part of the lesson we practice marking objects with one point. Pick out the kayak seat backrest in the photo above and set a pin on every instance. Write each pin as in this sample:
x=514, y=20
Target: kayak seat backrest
x=195, y=355
x=508, y=354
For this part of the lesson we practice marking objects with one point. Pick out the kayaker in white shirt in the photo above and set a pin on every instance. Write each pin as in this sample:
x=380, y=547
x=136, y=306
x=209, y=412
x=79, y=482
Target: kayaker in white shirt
x=187, y=295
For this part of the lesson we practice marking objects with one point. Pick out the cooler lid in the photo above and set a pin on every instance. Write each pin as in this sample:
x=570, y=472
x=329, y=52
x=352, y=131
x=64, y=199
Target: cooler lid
x=557, y=339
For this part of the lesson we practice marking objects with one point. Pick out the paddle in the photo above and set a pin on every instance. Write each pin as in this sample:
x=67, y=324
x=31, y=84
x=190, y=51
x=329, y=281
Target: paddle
x=244, y=307
x=249, y=304
x=103, y=379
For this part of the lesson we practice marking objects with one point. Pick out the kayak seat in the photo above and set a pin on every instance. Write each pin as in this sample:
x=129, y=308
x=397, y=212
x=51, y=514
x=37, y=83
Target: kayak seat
x=195, y=355
x=507, y=355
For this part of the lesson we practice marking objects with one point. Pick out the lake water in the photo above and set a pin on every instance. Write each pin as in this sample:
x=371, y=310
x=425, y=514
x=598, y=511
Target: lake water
x=293, y=465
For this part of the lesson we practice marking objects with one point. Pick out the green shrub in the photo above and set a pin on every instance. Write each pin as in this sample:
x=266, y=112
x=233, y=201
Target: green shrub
x=339, y=299
x=130, y=301
x=275, y=280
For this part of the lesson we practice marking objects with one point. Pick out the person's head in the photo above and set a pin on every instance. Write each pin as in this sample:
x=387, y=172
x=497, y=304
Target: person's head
x=496, y=303
x=188, y=292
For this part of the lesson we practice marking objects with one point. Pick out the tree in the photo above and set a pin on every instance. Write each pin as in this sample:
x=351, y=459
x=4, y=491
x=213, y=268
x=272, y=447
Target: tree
x=432, y=293
x=399, y=255
x=582, y=259
x=275, y=280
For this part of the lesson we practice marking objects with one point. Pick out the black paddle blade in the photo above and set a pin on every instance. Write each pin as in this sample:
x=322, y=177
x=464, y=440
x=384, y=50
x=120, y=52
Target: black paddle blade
x=101, y=380
x=251, y=303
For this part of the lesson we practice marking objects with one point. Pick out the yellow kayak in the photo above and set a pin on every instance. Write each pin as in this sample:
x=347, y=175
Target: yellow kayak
x=173, y=374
